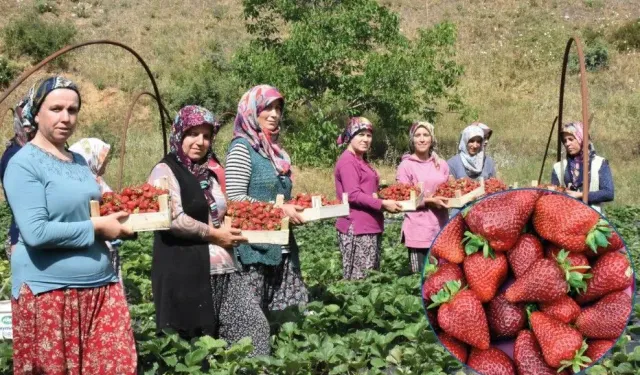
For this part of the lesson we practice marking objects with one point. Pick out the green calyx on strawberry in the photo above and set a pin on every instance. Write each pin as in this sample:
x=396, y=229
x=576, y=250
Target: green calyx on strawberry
x=474, y=242
x=579, y=360
x=576, y=281
x=446, y=294
x=599, y=236
x=430, y=267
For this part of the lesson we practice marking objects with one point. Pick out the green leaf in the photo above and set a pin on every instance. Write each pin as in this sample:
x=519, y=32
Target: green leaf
x=171, y=360
x=196, y=357
x=332, y=308
x=378, y=363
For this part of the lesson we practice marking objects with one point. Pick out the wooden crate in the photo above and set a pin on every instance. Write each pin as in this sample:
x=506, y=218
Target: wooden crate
x=412, y=203
x=320, y=212
x=269, y=237
x=145, y=222
x=461, y=200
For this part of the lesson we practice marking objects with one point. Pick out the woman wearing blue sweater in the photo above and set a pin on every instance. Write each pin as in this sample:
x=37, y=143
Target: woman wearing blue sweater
x=69, y=311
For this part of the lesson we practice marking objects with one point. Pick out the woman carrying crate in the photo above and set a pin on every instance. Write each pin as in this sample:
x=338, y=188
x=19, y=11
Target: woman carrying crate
x=360, y=233
x=471, y=160
x=69, y=310
x=600, y=180
x=197, y=288
x=259, y=169
x=423, y=166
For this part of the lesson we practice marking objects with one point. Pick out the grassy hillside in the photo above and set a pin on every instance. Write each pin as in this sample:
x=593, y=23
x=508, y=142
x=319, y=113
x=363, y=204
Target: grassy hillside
x=511, y=51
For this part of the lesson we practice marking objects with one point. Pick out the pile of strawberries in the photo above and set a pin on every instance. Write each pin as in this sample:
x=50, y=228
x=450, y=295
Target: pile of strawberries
x=247, y=215
x=493, y=185
x=552, y=187
x=398, y=192
x=134, y=200
x=304, y=200
x=534, y=266
x=448, y=189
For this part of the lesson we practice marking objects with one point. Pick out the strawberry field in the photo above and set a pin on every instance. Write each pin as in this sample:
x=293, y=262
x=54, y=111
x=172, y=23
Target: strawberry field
x=376, y=326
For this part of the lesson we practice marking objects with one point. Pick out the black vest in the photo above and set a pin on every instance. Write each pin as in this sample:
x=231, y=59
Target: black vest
x=180, y=275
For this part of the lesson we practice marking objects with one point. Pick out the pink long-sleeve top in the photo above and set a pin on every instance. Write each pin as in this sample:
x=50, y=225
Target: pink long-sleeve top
x=420, y=228
x=357, y=178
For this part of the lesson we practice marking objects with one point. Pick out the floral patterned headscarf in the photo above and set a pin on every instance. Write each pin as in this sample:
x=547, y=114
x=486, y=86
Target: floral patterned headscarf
x=434, y=141
x=246, y=126
x=355, y=126
x=575, y=162
x=95, y=152
x=38, y=93
x=189, y=117
x=23, y=132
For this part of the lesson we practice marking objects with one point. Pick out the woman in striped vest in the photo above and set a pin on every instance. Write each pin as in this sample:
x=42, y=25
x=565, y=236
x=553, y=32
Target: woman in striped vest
x=600, y=180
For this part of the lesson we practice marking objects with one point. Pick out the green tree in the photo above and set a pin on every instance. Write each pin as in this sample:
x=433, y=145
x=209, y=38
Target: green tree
x=349, y=52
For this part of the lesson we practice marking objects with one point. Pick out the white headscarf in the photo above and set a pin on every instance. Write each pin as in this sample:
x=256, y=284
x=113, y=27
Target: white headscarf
x=95, y=152
x=473, y=164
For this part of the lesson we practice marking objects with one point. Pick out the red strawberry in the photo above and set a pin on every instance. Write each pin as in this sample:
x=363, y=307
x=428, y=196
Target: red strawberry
x=598, y=348
x=456, y=348
x=561, y=345
x=498, y=220
x=505, y=319
x=437, y=276
x=524, y=253
x=569, y=223
x=575, y=259
x=607, y=318
x=461, y=315
x=544, y=281
x=485, y=275
x=492, y=361
x=611, y=273
x=564, y=309
x=528, y=358
x=448, y=246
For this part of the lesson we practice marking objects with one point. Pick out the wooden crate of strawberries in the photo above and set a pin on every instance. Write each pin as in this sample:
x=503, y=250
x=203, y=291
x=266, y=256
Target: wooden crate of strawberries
x=147, y=205
x=318, y=207
x=260, y=222
x=407, y=195
x=460, y=192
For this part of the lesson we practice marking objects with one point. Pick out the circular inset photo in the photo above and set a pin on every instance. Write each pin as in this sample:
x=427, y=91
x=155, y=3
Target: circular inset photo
x=528, y=281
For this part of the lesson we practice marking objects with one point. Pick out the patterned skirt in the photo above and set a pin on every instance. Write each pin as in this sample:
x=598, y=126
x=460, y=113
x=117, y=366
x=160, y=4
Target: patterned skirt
x=417, y=258
x=73, y=331
x=360, y=253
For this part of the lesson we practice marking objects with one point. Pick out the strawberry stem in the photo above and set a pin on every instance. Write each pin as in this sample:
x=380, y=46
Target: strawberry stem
x=576, y=281
x=530, y=308
x=446, y=294
x=429, y=268
x=578, y=361
x=599, y=236
x=474, y=242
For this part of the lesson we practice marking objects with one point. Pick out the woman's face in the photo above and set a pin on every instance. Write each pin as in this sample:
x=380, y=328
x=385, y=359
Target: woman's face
x=196, y=142
x=571, y=144
x=270, y=116
x=361, y=142
x=421, y=141
x=474, y=145
x=58, y=114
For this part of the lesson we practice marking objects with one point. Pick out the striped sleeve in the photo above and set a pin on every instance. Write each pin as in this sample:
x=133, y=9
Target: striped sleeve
x=238, y=173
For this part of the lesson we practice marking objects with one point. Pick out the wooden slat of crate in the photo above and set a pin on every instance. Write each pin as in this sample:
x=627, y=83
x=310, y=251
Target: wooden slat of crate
x=145, y=222
x=320, y=212
x=413, y=202
x=269, y=237
x=461, y=200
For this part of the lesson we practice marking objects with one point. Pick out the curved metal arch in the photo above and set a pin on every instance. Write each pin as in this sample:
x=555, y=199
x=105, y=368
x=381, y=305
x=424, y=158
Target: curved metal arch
x=125, y=131
x=584, y=93
x=66, y=49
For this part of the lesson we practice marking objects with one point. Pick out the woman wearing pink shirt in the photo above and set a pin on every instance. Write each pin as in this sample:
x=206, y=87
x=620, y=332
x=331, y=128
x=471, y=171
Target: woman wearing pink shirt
x=359, y=234
x=423, y=166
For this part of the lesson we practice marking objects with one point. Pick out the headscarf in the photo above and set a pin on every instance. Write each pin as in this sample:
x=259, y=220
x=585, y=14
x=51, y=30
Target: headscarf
x=187, y=118
x=246, y=126
x=355, y=126
x=487, y=130
x=575, y=162
x=95, y=152
x=38, y=93
x=23, y=133
x=434, y=142
x=473, y=164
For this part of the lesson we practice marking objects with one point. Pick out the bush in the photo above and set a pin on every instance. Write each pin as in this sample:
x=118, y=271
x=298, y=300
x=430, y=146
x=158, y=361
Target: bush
x=627, y=37
x=33, y=37
x=45, y=6
x=596, y=56
x=8, y=71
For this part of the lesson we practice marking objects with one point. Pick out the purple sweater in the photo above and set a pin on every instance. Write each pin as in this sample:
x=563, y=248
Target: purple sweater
x=357, y=178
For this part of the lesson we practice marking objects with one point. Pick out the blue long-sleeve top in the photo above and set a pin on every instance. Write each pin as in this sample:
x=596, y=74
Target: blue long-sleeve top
x=606, y=192
x=57, y=247
x=11, y=150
